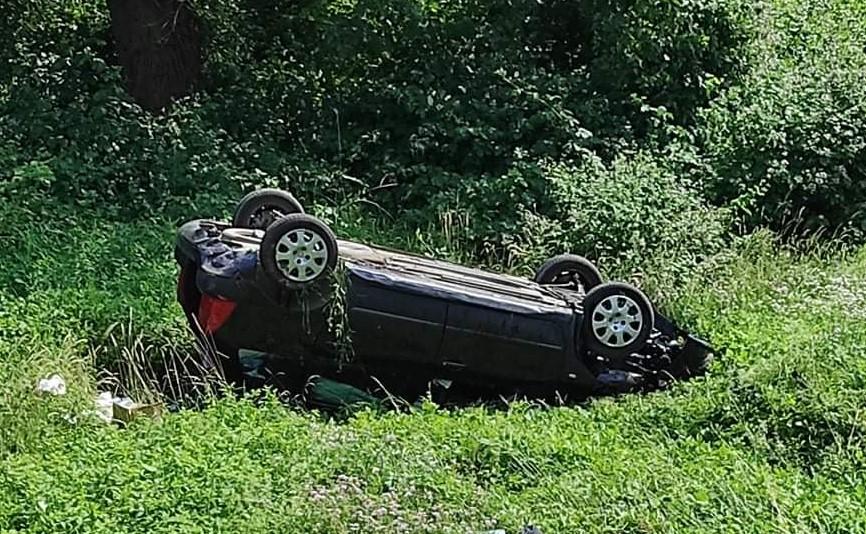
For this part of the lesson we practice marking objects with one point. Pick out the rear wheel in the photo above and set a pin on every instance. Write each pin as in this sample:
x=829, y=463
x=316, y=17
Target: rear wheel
x=298, y=250
x=618, y=320
x=264, y=207
x=568, y=269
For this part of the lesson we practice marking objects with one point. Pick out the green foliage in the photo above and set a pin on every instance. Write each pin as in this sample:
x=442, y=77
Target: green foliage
x=64, y=270
x=650, y=57
x=404, y=93
x=64, y=109
x=775, y=431
x=400, y=101
x=778, y=398
x=632, y=215
x=493, y=131
x=338, y=313
x=793, y=134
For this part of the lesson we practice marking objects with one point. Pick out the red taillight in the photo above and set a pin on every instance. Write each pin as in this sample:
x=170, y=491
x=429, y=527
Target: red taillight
x=213, y=312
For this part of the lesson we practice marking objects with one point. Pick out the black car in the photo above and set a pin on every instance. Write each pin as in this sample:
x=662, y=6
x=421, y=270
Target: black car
x=277, y=281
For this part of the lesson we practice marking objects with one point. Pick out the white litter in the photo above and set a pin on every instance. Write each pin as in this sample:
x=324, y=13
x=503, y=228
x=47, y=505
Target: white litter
x=112, y=408
x=105, y=406
x=53, y=385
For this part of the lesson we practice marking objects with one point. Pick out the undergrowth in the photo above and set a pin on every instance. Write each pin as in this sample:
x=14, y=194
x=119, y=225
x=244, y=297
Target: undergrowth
x=770, y=441
x=657, y=138
x=338, y=313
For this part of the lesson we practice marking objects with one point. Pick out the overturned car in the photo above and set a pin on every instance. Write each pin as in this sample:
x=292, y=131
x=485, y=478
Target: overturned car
x=277, y=281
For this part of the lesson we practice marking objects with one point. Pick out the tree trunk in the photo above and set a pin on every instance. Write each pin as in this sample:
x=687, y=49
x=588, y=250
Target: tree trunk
x=159, y=47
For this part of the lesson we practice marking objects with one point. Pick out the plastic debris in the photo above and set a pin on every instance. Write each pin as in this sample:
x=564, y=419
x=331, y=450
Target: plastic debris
x=252, y=364
x=105, y=406
x=330, y=394
x=113, y=409
x=53, y=385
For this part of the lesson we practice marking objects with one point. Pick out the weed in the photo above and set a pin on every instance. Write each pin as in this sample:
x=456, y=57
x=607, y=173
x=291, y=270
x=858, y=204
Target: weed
x=338, y=313
x=174, y=373
x=774, y=429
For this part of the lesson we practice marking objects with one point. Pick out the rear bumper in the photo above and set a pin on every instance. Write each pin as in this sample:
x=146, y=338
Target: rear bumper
x=228, y=271
x=232, y=303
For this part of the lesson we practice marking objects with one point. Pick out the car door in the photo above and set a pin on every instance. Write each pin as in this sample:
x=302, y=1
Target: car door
x=392, y=322
x=506, y=342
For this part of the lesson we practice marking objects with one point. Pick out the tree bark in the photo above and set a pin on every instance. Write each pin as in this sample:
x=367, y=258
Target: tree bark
x=159, y=47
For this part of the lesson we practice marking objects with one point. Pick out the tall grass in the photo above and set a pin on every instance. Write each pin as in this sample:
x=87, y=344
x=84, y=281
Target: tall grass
x=770, y=441
x=175, y=373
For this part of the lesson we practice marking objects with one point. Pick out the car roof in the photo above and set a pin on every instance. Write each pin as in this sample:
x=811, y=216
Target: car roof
x=404, y=271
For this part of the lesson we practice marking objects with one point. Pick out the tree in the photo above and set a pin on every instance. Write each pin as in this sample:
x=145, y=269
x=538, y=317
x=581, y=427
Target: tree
x=159, y=46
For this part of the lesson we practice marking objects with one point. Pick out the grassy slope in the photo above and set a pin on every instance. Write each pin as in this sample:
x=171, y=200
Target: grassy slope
x=771, y=441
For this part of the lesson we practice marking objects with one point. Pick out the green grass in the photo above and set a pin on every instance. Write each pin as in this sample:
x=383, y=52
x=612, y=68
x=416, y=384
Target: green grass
x=771, y=441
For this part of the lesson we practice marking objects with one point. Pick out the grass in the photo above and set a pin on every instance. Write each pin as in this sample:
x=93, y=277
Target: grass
x=771, y=441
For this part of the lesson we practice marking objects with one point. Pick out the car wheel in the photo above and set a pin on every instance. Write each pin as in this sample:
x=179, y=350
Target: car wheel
x=263, y=207
x=618, y=319
x=567, y=268
x=297, y=250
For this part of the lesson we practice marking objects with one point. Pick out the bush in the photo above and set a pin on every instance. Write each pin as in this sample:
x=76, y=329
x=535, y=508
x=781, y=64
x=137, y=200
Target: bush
x=793, y=134
x=421, y=96
x=645, y=54
x=408, y=101
x=406, y=93
x=775, y=431
x=634, y=215
x=793, y=366
x=69, y=131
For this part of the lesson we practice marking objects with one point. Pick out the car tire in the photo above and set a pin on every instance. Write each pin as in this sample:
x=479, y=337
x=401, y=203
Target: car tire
x=263, y=207
x=298, y=250
x=560, y=269
x=618, y=320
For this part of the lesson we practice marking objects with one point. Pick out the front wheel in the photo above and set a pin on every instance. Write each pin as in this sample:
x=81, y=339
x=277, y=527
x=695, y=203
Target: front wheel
x=618, y=319
x=298, y=250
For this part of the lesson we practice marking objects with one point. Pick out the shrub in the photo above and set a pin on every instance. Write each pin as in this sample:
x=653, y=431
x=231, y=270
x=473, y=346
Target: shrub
x=416, y=100
x=634, y=215
x=646, y=54
x=793, y=134
x=407, y=93
x=69, y=131
x=421, y=96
